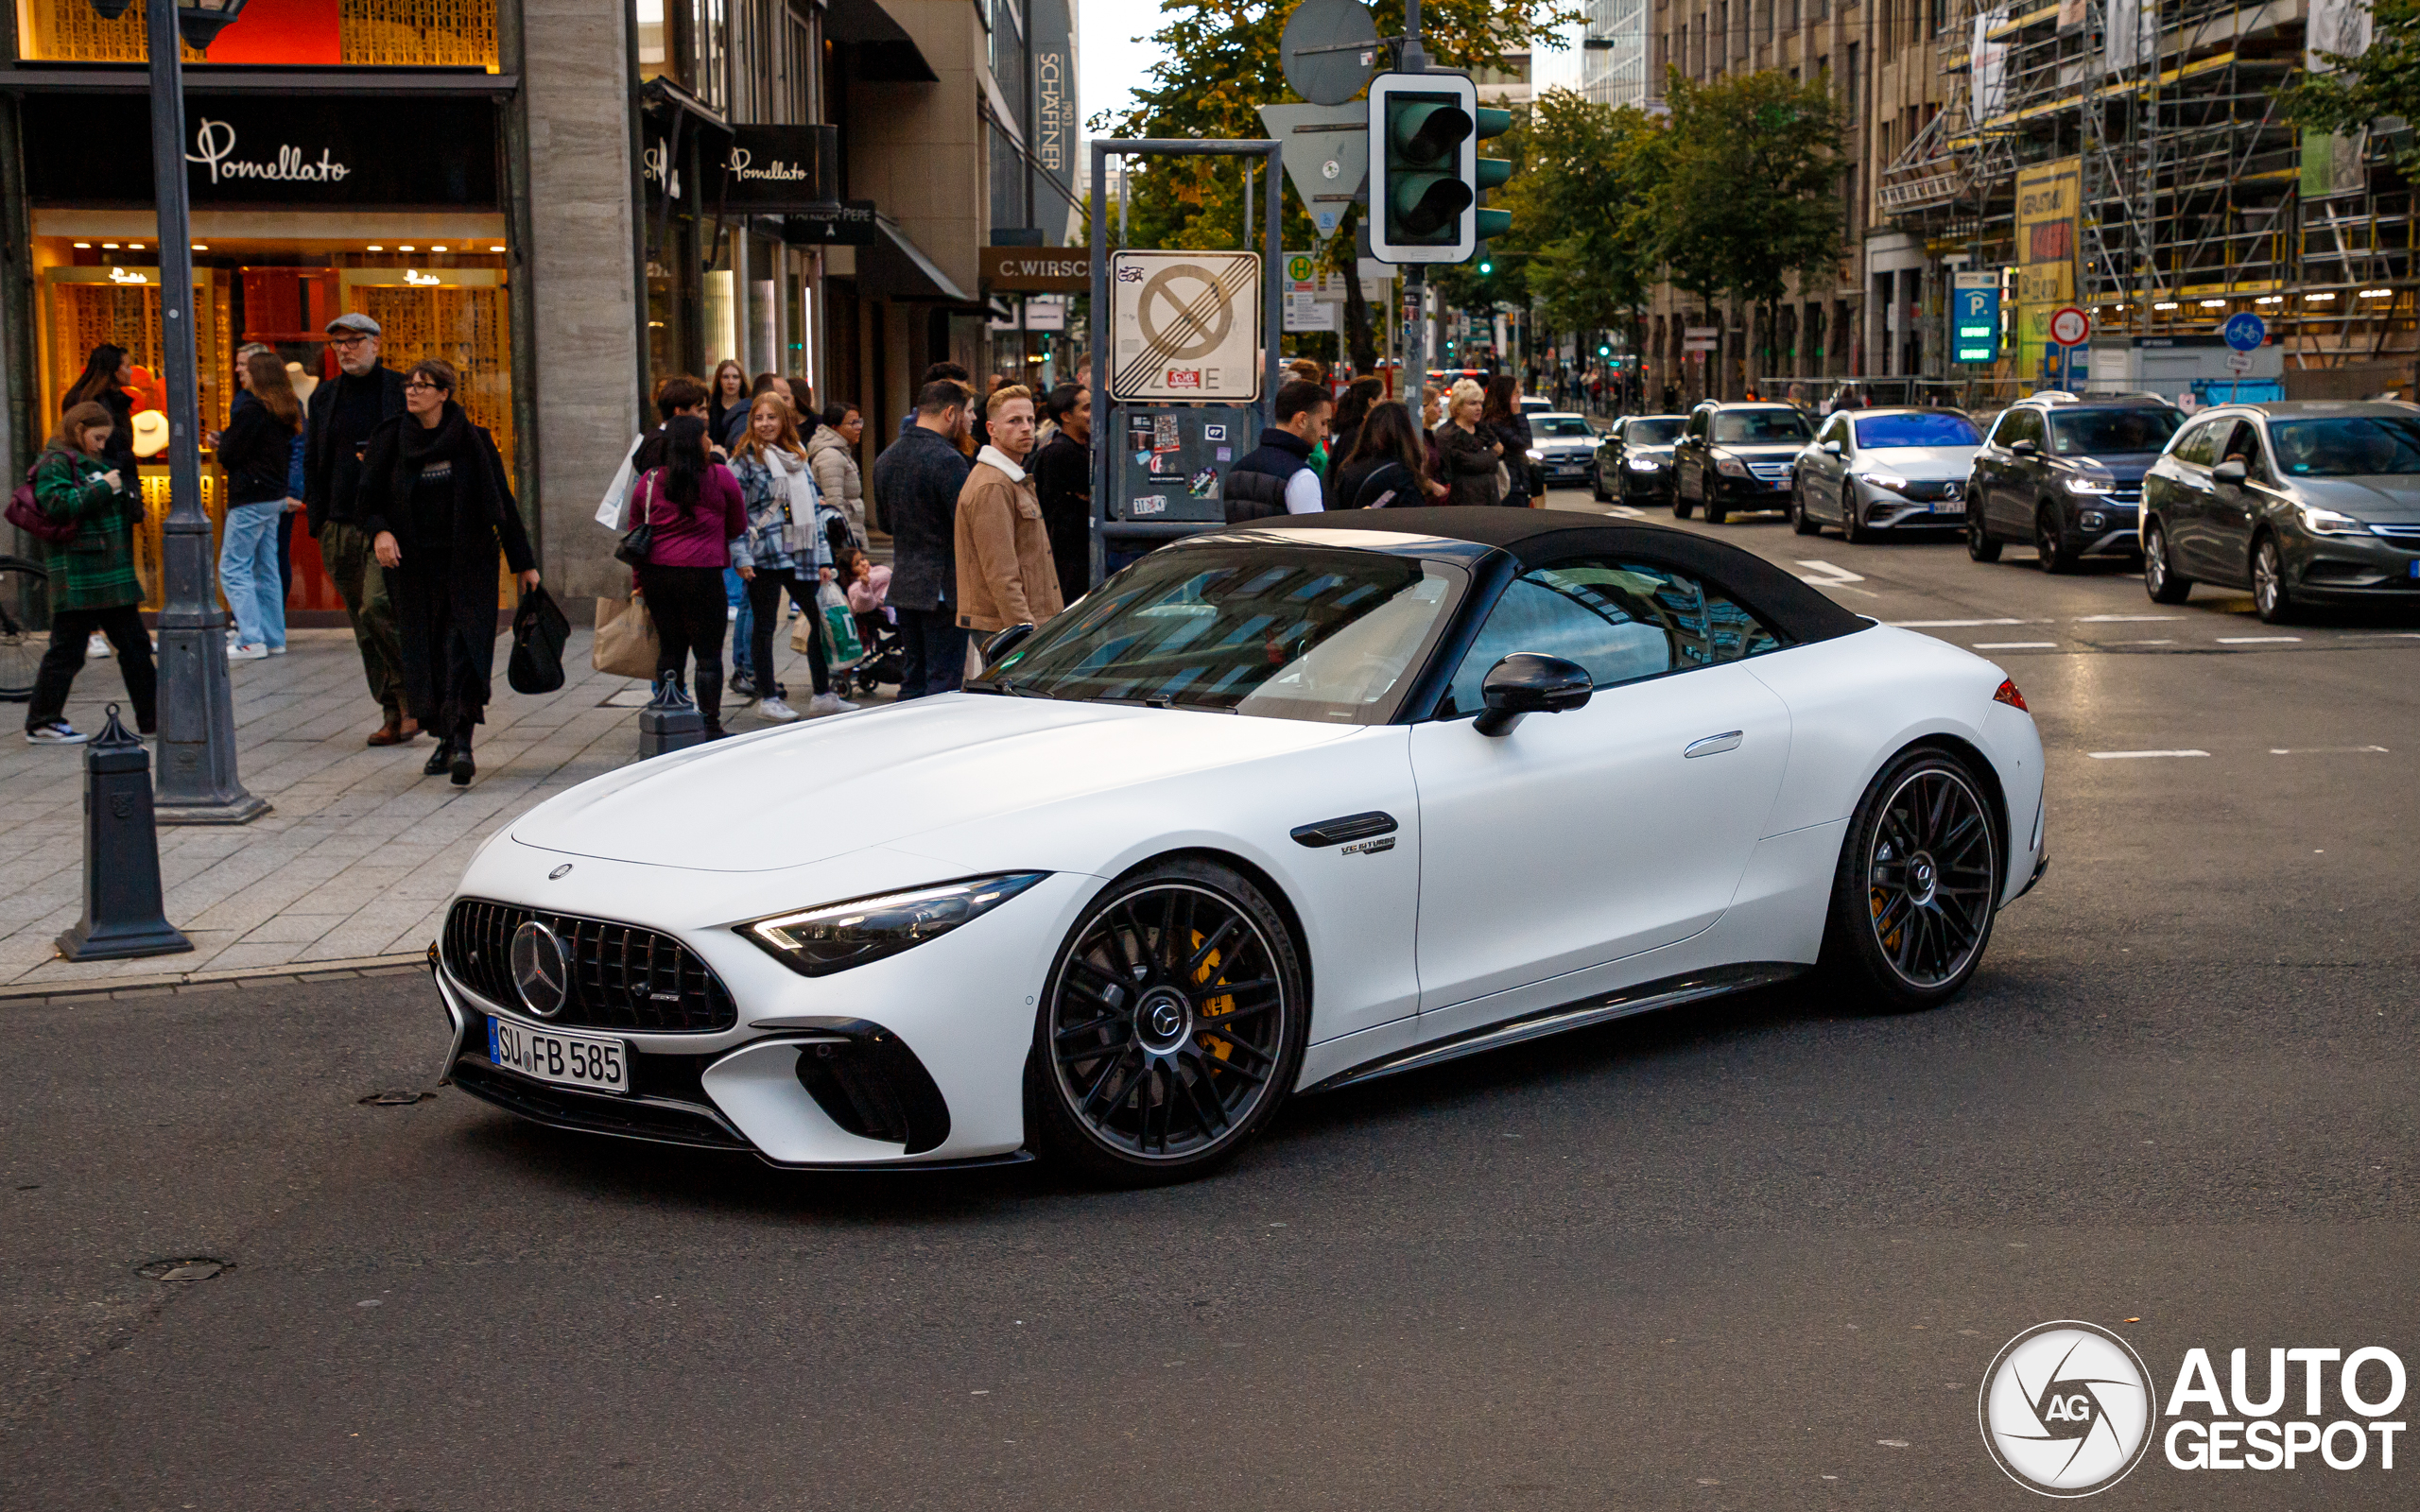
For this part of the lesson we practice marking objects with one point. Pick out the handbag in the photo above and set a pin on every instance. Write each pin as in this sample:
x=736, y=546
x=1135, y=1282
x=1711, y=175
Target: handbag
x=626, y=643
x=26, y=512
x=634, y=549
x=839, y=627
x=539, y=632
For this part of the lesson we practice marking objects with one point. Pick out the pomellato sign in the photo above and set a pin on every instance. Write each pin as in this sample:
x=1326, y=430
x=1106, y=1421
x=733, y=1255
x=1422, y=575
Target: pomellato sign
x=770, y=170
x=213, y=143
x=302, y=152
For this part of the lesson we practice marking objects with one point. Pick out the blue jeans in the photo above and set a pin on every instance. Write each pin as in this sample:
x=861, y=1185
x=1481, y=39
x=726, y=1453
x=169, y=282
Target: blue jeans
x=248, y=574
x=735, y=595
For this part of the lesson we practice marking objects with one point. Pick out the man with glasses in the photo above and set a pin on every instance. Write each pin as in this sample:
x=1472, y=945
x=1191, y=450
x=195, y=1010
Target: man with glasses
x=341, y=414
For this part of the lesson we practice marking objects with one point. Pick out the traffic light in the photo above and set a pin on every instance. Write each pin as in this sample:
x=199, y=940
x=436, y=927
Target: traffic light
x=1491, y=173
x=1423, y=133
x=1485, y=267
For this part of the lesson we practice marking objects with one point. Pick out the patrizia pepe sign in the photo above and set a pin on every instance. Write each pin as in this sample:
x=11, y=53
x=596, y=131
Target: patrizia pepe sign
x=215, y=144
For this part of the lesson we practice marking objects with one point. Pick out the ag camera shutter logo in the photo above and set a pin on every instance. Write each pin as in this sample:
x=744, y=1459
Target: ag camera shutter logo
x=2067, y=1409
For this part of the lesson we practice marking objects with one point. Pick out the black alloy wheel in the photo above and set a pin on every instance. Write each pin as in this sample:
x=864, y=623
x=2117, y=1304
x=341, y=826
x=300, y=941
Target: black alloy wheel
x=1979, y=544
x=2053, y=551
x=1917, y=888
x=2161, y=580
x=1172, y=1029
x=2270, y=596
x=1800, y=521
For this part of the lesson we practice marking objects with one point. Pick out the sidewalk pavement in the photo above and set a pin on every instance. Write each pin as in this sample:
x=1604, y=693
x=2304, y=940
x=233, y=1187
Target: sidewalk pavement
x=352, y=867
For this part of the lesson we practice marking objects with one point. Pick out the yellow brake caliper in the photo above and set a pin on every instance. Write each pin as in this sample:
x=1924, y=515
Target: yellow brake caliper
x=1215, y=1008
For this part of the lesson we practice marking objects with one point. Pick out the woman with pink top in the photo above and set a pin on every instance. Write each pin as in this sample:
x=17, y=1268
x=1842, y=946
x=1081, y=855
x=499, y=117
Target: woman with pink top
x=696, y=509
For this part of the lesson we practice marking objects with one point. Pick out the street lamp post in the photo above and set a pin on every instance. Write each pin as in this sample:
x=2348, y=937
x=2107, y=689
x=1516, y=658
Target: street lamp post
x=198, y=782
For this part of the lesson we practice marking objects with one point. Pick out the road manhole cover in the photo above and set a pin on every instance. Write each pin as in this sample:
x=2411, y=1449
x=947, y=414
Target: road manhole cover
x=396, y=1098
x=198, y=1268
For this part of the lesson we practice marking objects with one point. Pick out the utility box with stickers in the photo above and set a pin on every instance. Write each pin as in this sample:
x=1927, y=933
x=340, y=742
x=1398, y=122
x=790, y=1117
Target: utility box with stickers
x=1172, y=459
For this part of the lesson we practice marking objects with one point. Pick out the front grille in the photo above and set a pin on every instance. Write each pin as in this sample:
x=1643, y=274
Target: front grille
x=2405, y=536
x=622, y=976
x=1770, y=471
x=1928, y=490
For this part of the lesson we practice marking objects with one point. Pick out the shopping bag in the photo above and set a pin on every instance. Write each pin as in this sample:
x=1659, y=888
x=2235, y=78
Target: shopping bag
x=539, y=632
x=626, y=644
x=840, y=627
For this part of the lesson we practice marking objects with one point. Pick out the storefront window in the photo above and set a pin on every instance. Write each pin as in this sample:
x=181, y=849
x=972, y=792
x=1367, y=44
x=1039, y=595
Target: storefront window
x=305, y=33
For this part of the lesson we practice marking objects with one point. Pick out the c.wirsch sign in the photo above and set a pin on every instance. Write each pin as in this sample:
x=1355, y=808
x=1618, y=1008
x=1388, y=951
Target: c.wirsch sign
x=299, y=153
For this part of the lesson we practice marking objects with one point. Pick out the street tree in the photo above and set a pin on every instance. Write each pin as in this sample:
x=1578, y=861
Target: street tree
x=1579, y=204
x=2382, y=81
x=1753, y=191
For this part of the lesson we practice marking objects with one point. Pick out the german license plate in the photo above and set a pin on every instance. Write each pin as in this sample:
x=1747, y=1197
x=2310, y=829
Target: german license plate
x=580, y=1060
x=2415, y=568
x=1950, y=506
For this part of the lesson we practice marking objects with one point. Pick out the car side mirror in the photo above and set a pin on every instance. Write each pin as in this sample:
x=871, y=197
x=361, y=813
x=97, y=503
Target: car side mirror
x=1831, y=448
x=1005, y=642
x=2025, y=448
x=2232, y=472
x=1526, y=683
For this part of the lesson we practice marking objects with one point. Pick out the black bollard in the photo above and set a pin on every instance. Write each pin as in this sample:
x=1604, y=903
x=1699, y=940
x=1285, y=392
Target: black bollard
x=122, y=912
x=669, y=722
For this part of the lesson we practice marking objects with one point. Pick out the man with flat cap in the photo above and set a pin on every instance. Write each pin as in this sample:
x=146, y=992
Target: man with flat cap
x=341, y=415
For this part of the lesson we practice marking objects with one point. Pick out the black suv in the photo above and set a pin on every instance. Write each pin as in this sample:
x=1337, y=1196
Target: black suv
x=2065, y=473
x=1737, y=457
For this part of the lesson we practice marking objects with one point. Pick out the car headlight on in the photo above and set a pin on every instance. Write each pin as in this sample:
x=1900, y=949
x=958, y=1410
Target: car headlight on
x=1534, y=455
x=1644, y=464
x=1730, y=466
x=2320, y=522
x=2087, y=483
x=836, y=936
x=1892, y=481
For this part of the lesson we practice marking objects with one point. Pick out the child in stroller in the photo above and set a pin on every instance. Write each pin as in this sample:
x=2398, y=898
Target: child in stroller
x=869, y=587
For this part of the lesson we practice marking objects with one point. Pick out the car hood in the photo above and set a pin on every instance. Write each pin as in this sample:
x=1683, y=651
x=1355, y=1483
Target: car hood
x=807, y=792
x=1761, y=450
x=1564, y=443
x=1929, y=462
x=2385, y=500
x=2126, y=467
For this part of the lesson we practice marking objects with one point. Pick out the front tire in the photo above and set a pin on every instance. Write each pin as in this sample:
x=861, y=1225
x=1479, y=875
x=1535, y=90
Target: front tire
x=1979, y=544
x=2053, y=552
x=1172, y=1027
x=1597, y=485
x=1917, y=886
x=2270, y=596
x=2161, y=580
x=1853, y=527
x=1800, y=522
x=1680, y=500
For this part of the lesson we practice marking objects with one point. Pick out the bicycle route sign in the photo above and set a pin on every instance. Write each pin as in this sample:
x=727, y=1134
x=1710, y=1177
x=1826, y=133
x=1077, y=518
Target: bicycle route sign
x=1186, y=325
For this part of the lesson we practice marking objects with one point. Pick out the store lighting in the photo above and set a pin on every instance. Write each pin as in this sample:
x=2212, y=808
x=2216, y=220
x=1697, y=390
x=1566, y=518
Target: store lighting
x=109, y=246
x=376, y=248
x=2319, y=299
x=83, y=247
x=2271, y=298
x=433, y=249
x=497, y=248
x=2168, y=304
x=2214, y=305
x=404, y=245
x=201, y=247
x=2377, y=294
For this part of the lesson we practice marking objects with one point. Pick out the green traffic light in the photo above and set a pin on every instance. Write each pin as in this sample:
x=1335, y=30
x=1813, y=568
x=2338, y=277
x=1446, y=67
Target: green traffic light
x=1425, y=194
x=1487, y=267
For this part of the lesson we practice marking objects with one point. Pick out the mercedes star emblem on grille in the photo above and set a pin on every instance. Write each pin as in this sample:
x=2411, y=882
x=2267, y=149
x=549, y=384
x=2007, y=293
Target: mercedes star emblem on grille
x=539, y=971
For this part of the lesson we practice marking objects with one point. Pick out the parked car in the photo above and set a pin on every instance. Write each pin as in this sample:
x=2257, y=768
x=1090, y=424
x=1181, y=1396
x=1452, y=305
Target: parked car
x=1734, y=457
x=1635, y=460
x=2304, y=503
x=1871, y=469
x=1563, y=450
x=2066, y=474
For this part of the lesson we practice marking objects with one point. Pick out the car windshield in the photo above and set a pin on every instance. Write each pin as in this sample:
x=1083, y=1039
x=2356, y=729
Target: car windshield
x=1654, y=431
x=1750, y=427
x=1558, y=425
x=1295, y=632
x=1886, y=431
x=2088, y=432
x=2351, y=446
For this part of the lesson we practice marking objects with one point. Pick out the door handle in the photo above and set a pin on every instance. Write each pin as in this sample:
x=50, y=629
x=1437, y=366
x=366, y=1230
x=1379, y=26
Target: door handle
x=1713, y=745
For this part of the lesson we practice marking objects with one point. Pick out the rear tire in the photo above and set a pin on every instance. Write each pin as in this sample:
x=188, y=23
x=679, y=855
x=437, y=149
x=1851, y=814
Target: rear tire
x=1917, y=888
x=1680, y=500
x=2164, y=584
x=1979, y=543
x=1172, y=1027
x=1853, y=528
x=1597, y=485
x=1800, y=521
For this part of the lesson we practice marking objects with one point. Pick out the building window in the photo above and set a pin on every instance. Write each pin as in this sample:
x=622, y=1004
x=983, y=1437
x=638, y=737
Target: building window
x=330, y=33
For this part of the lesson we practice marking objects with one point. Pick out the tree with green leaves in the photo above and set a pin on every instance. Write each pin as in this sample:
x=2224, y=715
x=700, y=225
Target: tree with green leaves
x=1752, y=194
x=1580, y=227
x=2384, y=80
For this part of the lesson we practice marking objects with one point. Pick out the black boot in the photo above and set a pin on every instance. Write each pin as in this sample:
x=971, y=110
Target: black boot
x=463, y=769
x=438, y=760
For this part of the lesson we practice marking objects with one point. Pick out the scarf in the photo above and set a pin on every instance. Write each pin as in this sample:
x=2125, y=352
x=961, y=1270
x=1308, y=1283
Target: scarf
x=448, y=441
x=790, y=469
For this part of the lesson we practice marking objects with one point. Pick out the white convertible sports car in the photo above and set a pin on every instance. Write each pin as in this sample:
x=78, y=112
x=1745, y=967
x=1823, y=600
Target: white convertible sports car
x=1274, y=810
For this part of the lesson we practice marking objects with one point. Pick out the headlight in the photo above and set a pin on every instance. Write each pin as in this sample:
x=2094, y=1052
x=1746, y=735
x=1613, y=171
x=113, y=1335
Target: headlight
x=1644, y=464
x=2078, y=483
x=1534, y=455
x=836, y=936
x=1731, y=466
x=1888, y=480
x=2320, y=522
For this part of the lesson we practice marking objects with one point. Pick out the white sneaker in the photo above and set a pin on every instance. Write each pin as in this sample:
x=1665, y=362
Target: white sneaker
x=97, y=648
x=277, y=650
x=248, y=653
x=827, y=703
x=776, y=711
x=57, y=732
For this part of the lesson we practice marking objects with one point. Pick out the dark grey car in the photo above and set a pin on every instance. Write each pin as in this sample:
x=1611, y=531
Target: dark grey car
x=1635, y=460
x=2304, y=503
x=2065, y=474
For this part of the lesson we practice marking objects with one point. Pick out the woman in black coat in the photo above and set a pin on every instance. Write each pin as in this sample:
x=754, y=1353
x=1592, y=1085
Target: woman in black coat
x=1467, y=450
x=436, y=507
x=1502, y=417
x=106, y=374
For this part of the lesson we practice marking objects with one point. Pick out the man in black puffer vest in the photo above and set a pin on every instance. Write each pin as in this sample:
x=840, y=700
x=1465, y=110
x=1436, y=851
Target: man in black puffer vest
x=1275, y=477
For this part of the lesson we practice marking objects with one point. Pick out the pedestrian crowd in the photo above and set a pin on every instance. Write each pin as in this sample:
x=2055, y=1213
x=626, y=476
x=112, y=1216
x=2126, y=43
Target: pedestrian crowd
x=1360, y=450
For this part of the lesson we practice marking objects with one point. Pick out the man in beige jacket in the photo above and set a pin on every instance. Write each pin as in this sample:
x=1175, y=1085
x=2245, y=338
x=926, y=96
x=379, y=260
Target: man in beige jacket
x=1005, y=573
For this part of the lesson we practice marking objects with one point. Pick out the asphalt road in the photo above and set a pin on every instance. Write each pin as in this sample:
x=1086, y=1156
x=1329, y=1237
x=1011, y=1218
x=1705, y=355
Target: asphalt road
x=1752, y=1254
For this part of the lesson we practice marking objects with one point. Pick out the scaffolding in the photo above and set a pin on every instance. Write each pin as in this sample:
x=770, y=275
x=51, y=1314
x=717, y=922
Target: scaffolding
x=2195, y=199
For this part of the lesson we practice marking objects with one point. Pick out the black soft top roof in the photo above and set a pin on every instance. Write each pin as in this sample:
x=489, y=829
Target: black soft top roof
x=1542, y=537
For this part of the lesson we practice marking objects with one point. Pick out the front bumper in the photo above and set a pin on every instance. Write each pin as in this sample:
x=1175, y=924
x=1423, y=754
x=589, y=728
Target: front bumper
x=2119, y=530
x=1753, y=492
x=1568, y=467
x=2353, y=569
x=1886, y=510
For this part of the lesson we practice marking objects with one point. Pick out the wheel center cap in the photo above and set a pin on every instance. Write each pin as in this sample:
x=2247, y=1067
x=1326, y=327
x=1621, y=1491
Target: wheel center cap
x=1162, y=1020
x=1921, y=878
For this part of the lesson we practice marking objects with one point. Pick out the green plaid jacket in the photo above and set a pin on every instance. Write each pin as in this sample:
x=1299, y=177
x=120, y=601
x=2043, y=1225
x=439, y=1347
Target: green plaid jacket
x=96, y=570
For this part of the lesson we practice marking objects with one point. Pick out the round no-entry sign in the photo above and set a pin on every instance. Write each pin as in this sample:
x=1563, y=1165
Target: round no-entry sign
x=2069, y=326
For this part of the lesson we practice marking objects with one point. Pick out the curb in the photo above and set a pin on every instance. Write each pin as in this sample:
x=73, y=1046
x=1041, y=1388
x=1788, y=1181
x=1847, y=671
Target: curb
x=26, y=994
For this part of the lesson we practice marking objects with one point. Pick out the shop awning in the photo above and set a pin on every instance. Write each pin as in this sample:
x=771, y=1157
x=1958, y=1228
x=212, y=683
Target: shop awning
x=896, y=267
x=665, y=98
x=886, y=53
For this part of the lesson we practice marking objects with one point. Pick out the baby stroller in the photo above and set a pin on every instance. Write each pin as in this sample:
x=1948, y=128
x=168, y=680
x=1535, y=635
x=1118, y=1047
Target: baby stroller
x=884, y=661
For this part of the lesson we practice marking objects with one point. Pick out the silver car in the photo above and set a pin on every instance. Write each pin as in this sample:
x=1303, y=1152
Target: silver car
x=2302, y=502
x=1870, y=469
x=1562, y=448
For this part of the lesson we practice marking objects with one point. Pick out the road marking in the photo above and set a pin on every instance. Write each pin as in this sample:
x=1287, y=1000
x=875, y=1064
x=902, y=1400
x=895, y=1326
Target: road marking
x=1832, y=574
x=2123, y=619
x=1626, y=511
x=2138, y=755
x=2256, y=640
x=1946, y=625
x=2328, y=750
x=2016, y=645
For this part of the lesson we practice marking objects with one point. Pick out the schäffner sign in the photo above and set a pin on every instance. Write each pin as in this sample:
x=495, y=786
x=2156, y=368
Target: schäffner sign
x=297, y=153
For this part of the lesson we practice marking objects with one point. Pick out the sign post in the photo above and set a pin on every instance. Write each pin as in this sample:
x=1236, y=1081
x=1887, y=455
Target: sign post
x=2071, y=328
x=1975, y=316
x=2245, y=333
